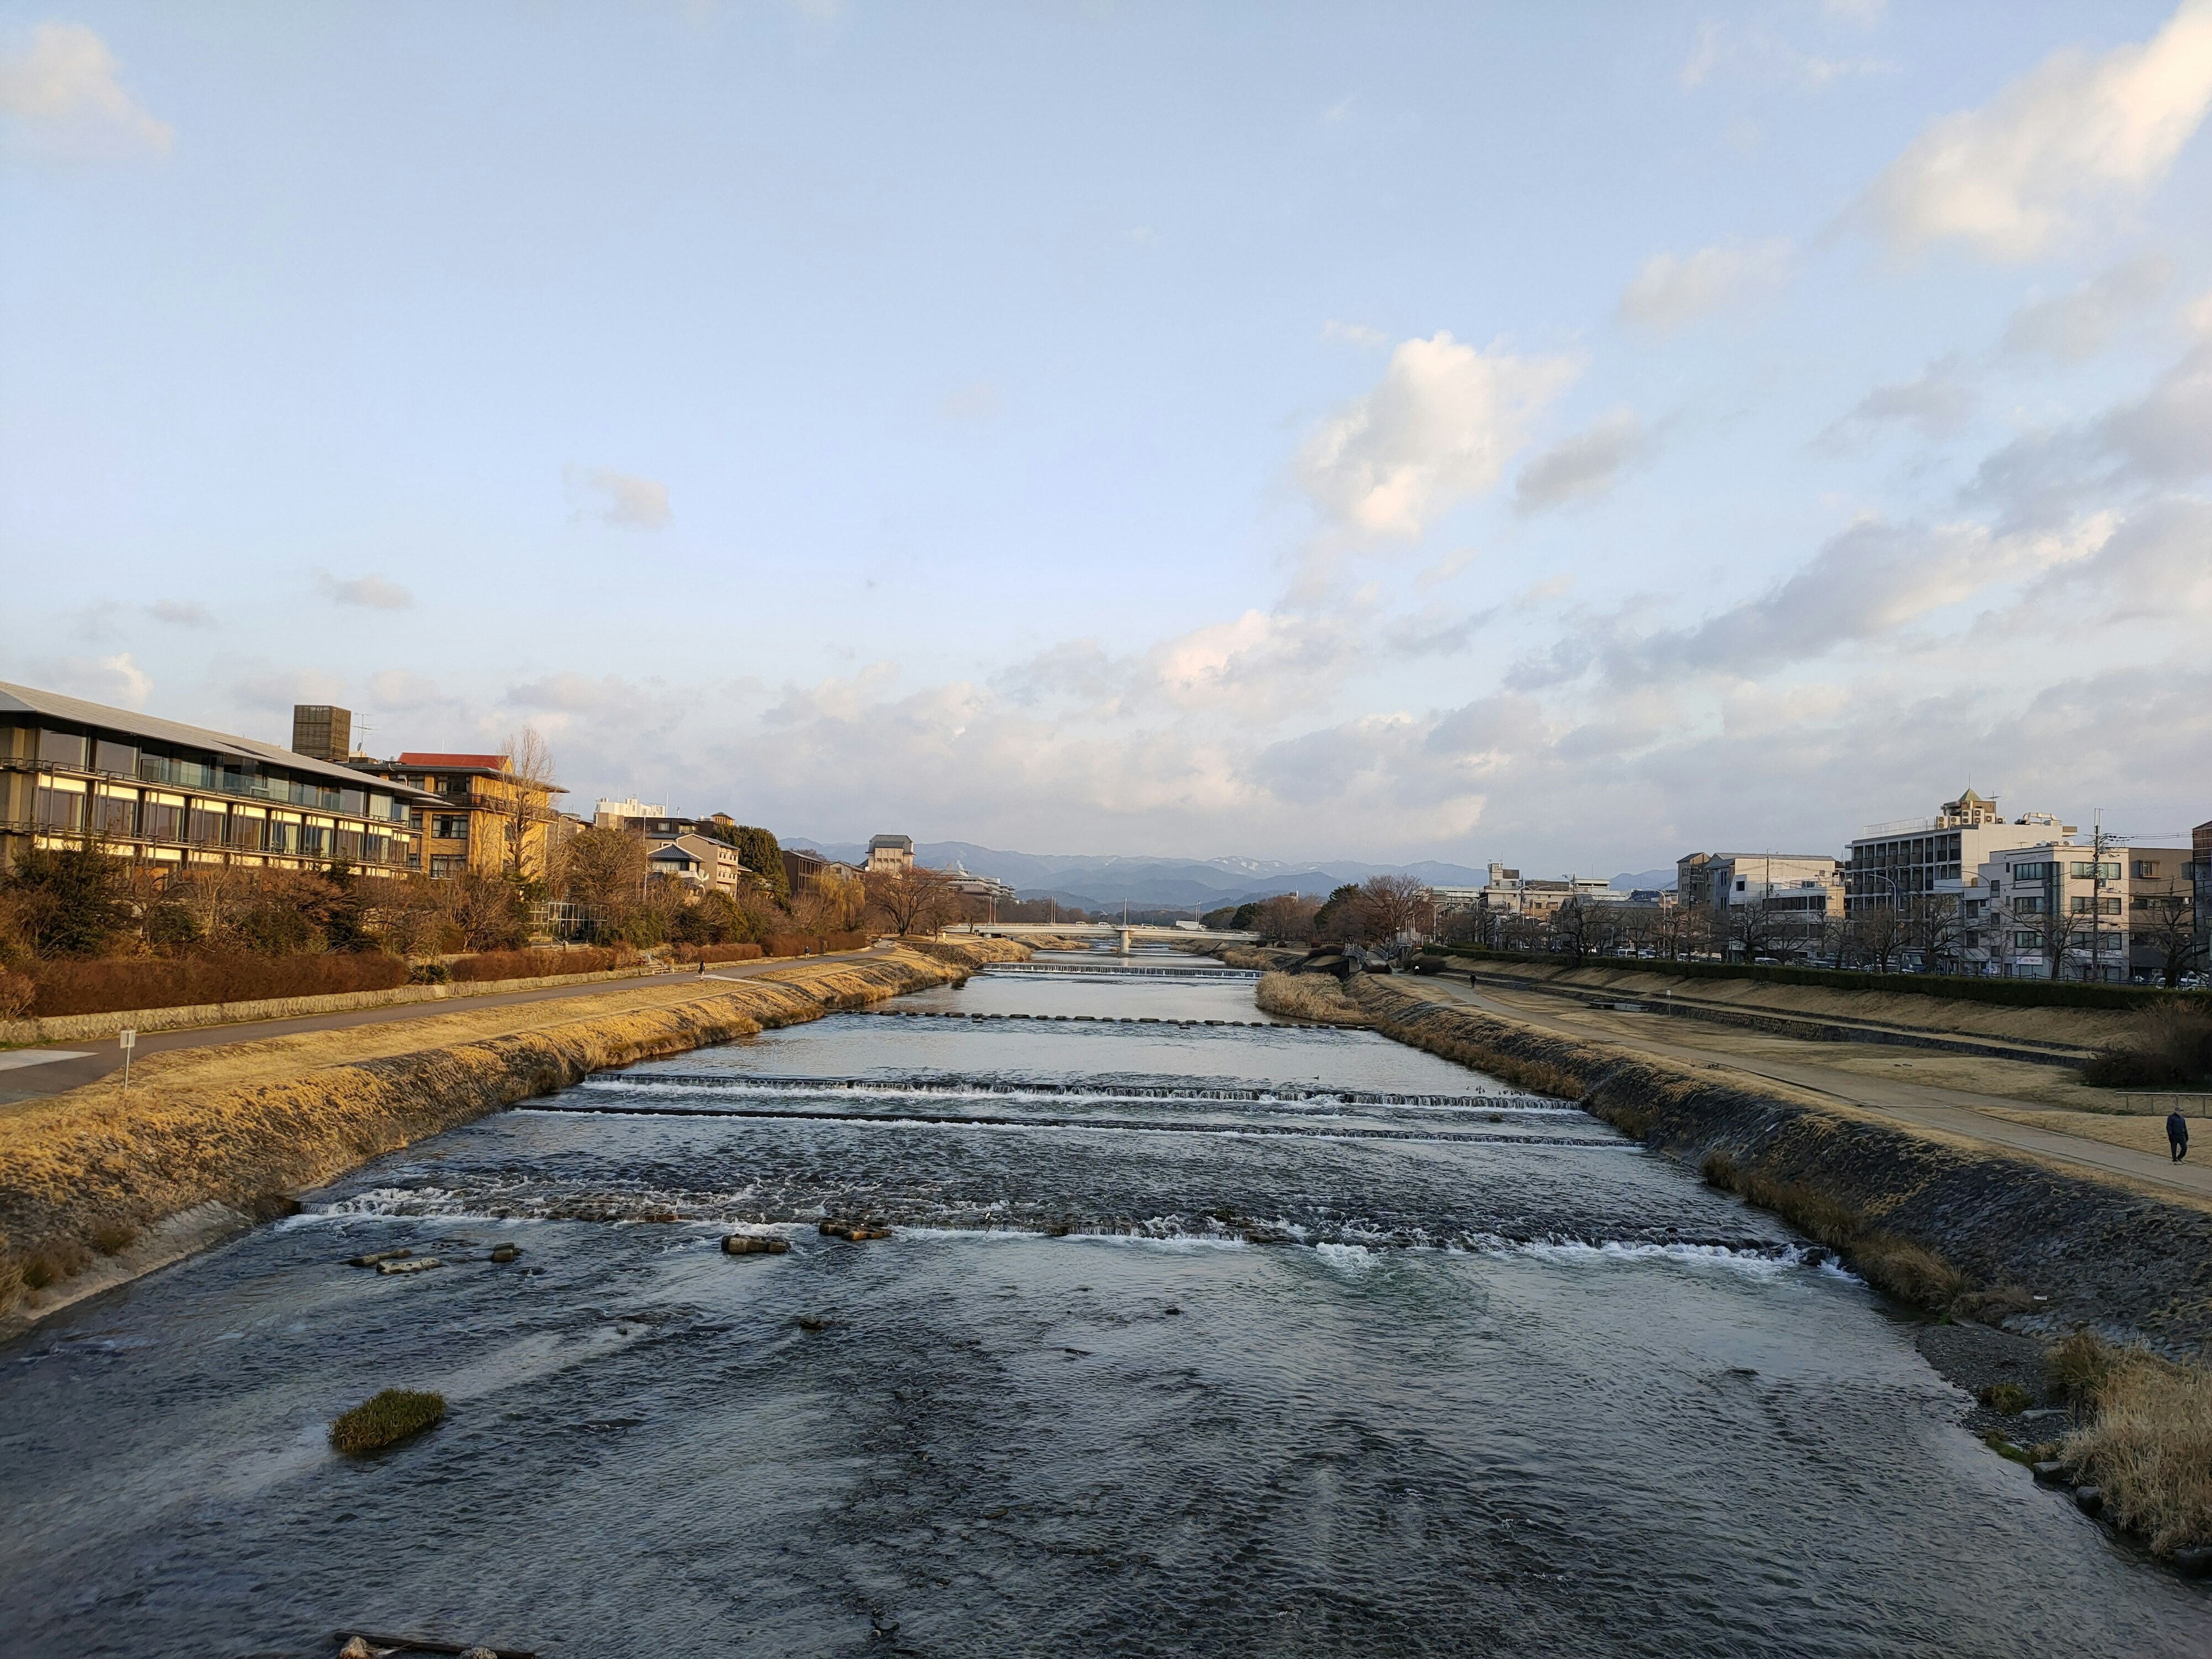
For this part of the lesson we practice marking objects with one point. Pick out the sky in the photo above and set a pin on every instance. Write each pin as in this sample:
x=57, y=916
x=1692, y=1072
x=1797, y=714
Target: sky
x=1574, y=436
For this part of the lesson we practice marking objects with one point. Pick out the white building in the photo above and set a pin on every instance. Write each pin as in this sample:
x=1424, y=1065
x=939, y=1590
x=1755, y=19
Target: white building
x=1892, y=864
x=2059, y=910
x=612, y=814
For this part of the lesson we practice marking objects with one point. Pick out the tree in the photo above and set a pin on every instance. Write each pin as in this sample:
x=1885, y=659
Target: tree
x=1338, y=916
x=1571, y=926
x=833, y=901
x=603, y=877
x=1876, y=934
x=1750, y=929
x=759, y=852
x=485, y=910
x=2166, y=923
x=522, y=804
x=1287, y=917
x=1391, y=907
x=70, y=900
x=1931, y=928
x=913, y=901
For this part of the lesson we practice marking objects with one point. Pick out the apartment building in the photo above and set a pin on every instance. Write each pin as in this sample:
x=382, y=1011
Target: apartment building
x=2061, y=910
x=704, y=862
x=174, y=795
x=478, y=815
x=2200, y=870
x=1509, y=892
x=1805, y=887
x=890, y=855
x=1891, y=865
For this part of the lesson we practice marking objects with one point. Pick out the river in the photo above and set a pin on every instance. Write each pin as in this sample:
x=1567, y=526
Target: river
x=1191, y=1338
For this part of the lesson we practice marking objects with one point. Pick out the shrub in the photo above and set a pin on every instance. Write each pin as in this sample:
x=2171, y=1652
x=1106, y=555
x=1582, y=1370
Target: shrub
x=2149, y=1450
x=540, y=963
x=1718, y=1169
x=796, y=944
x=1993, y=1306
x=1906, y=1271
x=2079, y=1367
x=2170, y=1045
x=385, y=1419
x=114, y=1237
x=2006, y=1398
x=712, y=953
x=1307, y=996
x=429, y=973
x=18, y=992
x=112, y=985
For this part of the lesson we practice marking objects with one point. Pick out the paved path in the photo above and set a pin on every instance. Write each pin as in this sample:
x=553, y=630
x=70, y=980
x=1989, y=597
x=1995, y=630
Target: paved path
x=23, y=1079
x=1952, y=1111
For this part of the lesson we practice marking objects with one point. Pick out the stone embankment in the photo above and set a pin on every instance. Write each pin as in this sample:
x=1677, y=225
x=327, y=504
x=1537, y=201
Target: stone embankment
x=97, y=1186
x=2065, y=1250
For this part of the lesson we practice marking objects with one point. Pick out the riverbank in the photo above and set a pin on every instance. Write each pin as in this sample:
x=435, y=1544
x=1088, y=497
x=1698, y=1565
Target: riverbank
x=97, y=1186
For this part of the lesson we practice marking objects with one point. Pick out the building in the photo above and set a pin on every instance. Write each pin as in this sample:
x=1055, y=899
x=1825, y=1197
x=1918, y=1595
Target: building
x=700, y=861
x=890, y=855
x=2060, y=910
x=971, y=885
x=2200, y=869
x=1508, y=892
x=1893, y=863
x=174, y=796
x=481, y=818
x=1807, y=887
x=658, y=825
x=610, y=814
x=803, y=864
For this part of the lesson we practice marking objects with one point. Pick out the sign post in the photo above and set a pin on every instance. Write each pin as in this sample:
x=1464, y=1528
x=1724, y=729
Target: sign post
x=126, y=1040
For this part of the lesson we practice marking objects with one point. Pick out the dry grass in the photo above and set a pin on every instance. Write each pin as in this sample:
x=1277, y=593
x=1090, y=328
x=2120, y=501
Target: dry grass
x=1315, y=997
x=242, y=1123
x=2148, y=1446
x=1893, y=1265
x=384, y=1420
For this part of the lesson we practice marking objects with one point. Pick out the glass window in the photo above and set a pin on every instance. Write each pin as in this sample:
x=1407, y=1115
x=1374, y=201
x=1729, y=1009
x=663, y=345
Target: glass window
x=450, y=827
x=116, y=817
x=349, y=846
x=314, y=839
x=204, y=826
x=447, y=864
x=110, y=755
x=164, y=821
x=277, y=835
x=61, y=748
x=59, y=809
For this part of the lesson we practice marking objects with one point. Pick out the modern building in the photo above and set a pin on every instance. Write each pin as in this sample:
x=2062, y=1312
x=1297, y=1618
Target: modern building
x=1891, y=865
x=700, y=861
x=2200, y=870
x=175, y=796
x=1807, y=887
x=610, y=814
x=968, y=884
x=481, y=816
x=2060, y=910
x=1509, y=892
x=890, y=855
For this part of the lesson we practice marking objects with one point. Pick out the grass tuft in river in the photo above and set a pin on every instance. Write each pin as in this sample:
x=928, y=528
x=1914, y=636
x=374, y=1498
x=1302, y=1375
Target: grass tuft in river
x=2148, y=1444
x=384, y=1420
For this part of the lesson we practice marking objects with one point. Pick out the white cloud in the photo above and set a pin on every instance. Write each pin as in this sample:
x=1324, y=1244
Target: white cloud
x=2011, y=177
x=116, y=680
x=1439, y=427
x=2196, y=316
x=1583, y=467
x=181, y=613
x=371, y=591
x=1936, y=403
x=1760, y=54
x=60, y=96
x=1672, y=290
x=624, y=502
x=1864, y=13
x=2074, y=325
x=1357, y=334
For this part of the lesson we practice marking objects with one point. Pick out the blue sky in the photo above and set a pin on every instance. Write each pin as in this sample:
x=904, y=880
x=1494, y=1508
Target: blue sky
x=1571, y=435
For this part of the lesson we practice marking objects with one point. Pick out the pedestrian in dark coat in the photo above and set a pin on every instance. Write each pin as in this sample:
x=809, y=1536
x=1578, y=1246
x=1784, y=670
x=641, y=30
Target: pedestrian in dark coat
x=2177, y=1135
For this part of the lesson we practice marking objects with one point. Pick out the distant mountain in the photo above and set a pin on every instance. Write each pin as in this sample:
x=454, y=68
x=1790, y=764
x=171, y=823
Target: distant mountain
x=1094, y=881
x=1634, y=878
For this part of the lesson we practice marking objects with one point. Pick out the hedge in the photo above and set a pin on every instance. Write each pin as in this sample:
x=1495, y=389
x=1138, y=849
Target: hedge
x=2011, y=993
x=541, y=964
x=106, y=985
x=800, y=945
x=714, y=953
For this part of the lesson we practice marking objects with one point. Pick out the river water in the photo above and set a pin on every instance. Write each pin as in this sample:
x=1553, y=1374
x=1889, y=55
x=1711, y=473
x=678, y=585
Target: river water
x=1192, y=1338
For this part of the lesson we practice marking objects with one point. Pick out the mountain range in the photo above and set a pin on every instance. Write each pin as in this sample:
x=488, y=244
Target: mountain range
x=1094, y=881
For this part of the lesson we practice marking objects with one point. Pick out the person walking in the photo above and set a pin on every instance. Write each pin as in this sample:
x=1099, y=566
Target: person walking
x=2177, y=1135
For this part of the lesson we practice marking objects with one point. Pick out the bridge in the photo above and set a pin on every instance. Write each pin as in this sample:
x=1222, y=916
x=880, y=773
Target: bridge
x=1125, y=938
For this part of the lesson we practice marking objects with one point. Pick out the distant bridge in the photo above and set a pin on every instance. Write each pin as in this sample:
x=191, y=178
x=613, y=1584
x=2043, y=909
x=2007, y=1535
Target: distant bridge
x=1125, y=938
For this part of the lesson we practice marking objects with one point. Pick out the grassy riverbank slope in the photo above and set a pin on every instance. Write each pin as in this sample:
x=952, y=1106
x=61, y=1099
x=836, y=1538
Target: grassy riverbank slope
x=88, y=1177
x=2135, y=1265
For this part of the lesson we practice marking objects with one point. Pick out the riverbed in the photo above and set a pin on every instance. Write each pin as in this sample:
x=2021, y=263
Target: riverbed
x=1196, y=1333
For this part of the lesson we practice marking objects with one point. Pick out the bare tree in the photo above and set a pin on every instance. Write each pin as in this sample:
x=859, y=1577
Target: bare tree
x=1570, y=928
x=522, y=805
x=1877, y=933
x=486, y=910
x=913, y=901
x=1391, y=907
x=1286, y=917
x=2166, y=923
x=1931, y=928
x=832, y=900
x=604, y=877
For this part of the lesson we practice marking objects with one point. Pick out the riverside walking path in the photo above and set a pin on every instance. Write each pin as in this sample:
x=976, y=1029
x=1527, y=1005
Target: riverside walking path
x=1964, y=1115
x=28, y=1075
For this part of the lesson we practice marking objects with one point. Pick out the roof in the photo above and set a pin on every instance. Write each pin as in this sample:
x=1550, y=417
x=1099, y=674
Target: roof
x=496, y=763
x=28, y=700
x=906, y=841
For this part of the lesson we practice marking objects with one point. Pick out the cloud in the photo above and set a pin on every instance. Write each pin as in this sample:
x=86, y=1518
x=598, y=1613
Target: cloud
x=977, y=401
x=1438, y=428
x=1762, y=55
x=372, y=591
x=1357, y=334
x=2074, y=325
x=181, y=613
x=1583, y=467
x=625, y=502
x=2163, y=438
x=2010, y=179
x=2196, y=316
x=1936, y=404
x=117, y=680
x=1671, y=290
x=60, y=97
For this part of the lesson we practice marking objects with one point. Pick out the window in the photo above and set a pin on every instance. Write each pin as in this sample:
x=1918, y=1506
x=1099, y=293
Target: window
x=349, y=846
x=59, y=809
x=278, y=836
x=2028, y=941
x=2084, y=905
x=313, y=838
x=246, y=833
x=2033, y=904
x=109, y=755
x=447, y=864
x=164, y=821
x=354, y=802
x=2083, y=870
x=450, y=826
x=116, y=817
x=2146, y=870
x=376, y=849
x=61, y=749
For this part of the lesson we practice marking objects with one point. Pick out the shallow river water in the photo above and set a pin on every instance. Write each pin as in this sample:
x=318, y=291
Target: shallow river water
x=1234, y=1338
